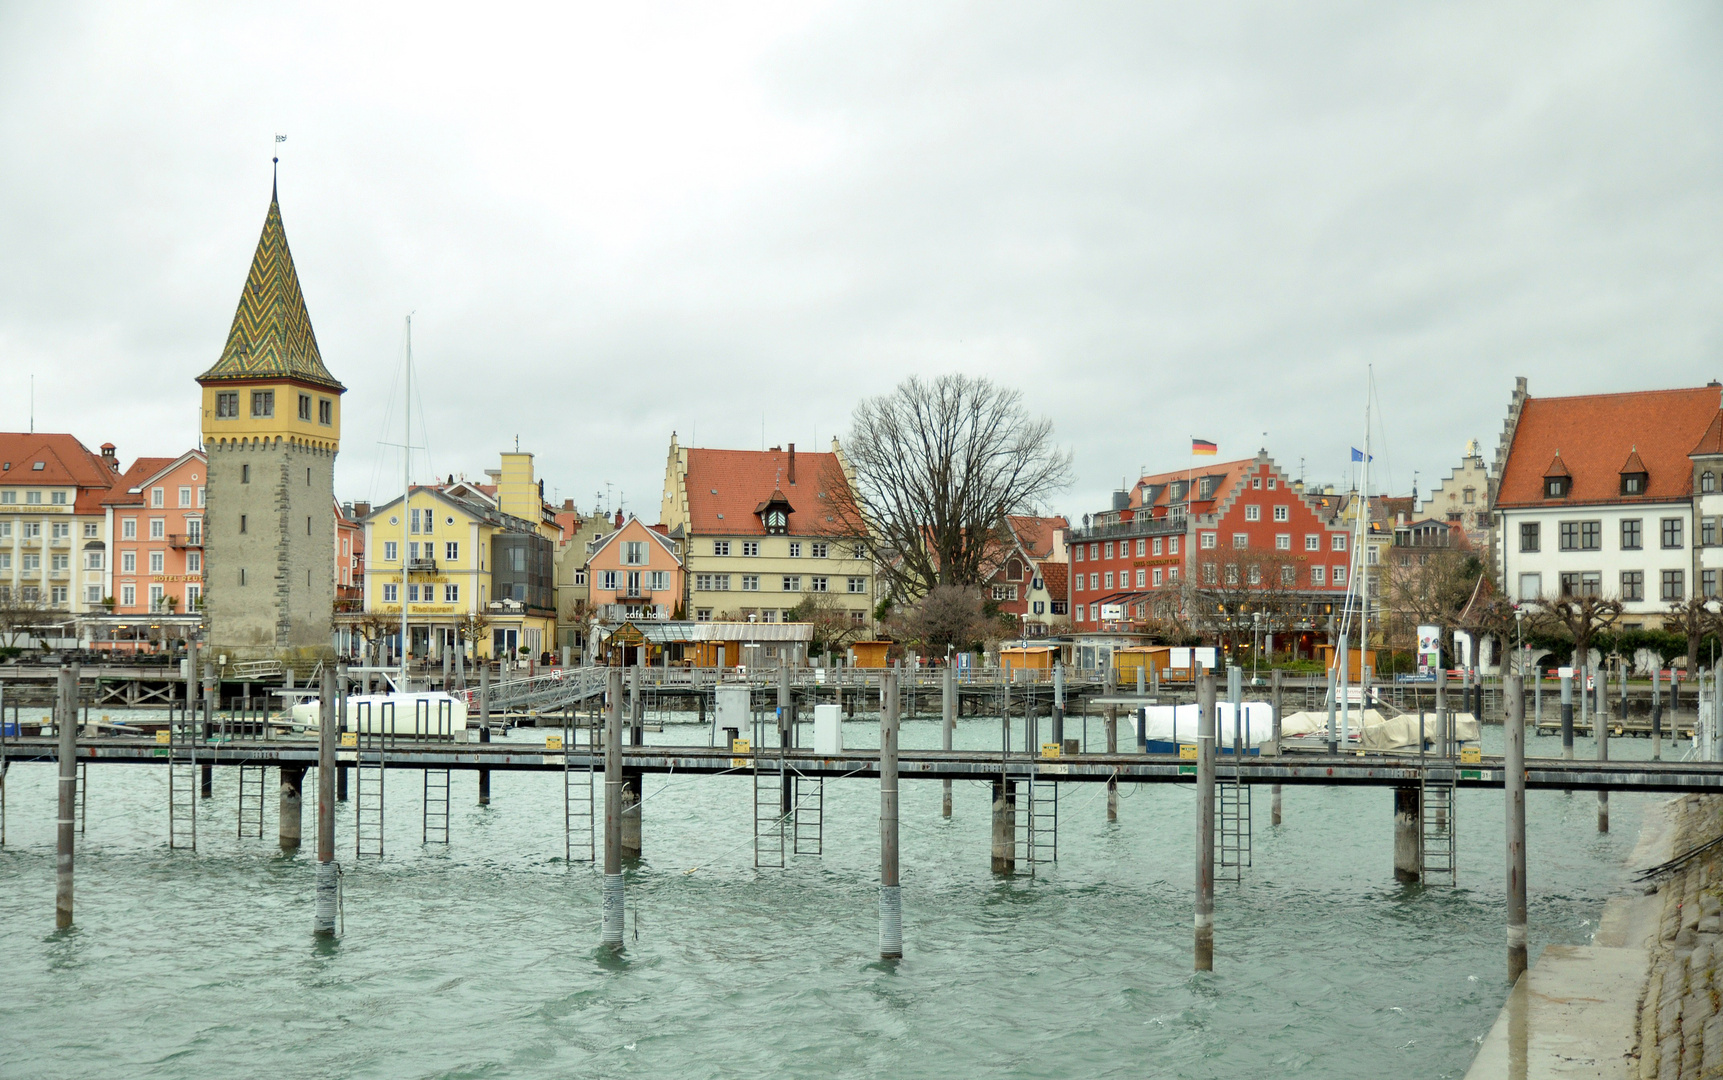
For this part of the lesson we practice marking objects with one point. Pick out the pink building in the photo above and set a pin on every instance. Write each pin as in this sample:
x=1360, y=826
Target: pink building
x=155, y=557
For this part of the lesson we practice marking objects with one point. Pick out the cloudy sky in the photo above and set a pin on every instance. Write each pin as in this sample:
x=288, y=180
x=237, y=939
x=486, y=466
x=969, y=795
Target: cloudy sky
x=617, y=221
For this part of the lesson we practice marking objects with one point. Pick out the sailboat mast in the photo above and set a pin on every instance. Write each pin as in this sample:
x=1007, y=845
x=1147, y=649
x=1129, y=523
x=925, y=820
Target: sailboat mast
x=1364, y=567
x=406, y=498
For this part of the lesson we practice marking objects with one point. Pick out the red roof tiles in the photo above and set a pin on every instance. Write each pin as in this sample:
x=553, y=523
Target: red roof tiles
x=1056, y=576
x=65, y=462
x=726, y=486
x=1591, y=435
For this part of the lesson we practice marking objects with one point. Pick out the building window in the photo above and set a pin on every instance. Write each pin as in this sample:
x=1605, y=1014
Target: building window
x=750, y=582
x=193, y=597
x=242, y=575
x=720, y=547
x=821, y=549
x=1240, y=541
x=1633, y=483
x=33, y=498
x=1108, y=579
x=1531, y=587
x=998, y=592
x=1282, y=513
x=634, y=553
x=1157, y=577
x=1078, y=552
x=60, y=561
x=158, y=528
x=608, y=581
x=795, y=549
x=92, y=530
x=92, y=594
x=391, y=593
x=1232, y=573
x=452, y=550
x=1671, y=532
x=1580, y=535
x=580, y=577
x=245, y=474
x=305, y=407
x=1208, y=541
x=227, y=405
x=1707, y=481
x=1339, y=542
x=1630, y=536
x=1210, y=576
x=128, y=595
x=156, y=562
x=156, y=498
x=658, y=580
x=1283, y=541
x=92, y=560
x=262, y=403
x=1633, y=585
x=792, y=583
x=1708, y=584
x=451, y=594
x=1339, y=576
x=1556, y=487
x=703, y=614
x=1172, y=545
x=818, y=584
x=1156, y=547
x=1312, y=541
x=128, y=562
x=1253, y=513
x=1707, y=531
x=857, y=585
x=1470, y=496
x=390, y=550
x=1674, y=586
x=1094, y=581
x=200, y=491
x=1529, y=537
x=194, y=562
x=61, y=530
x=750, y=548
x=242, y=523
x=325, y=412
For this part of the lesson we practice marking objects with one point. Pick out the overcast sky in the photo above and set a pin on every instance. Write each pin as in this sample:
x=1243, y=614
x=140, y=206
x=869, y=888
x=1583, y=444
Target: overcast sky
x=611, y=222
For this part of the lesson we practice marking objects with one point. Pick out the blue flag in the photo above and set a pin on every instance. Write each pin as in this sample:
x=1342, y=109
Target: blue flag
x=1359, y=455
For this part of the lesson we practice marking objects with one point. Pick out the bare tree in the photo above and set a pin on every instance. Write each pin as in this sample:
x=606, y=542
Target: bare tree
x=834, y=629
x=939, y=464
x=471, y=629
x=1240, y=590
x=1694, y=619
x=1579, y=617
x=18, y=617
x=1430, y=588
x=952, y=615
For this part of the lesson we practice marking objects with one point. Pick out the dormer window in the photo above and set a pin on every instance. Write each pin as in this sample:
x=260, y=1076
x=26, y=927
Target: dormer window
x=776, y=523
x=1633, y=474
x=774, y=514
x=1558, y=482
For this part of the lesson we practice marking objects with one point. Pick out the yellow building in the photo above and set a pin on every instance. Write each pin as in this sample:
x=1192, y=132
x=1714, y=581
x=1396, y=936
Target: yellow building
x=475, y=562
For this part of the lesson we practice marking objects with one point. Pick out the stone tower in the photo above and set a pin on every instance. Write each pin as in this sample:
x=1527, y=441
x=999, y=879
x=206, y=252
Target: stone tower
x=271, y=429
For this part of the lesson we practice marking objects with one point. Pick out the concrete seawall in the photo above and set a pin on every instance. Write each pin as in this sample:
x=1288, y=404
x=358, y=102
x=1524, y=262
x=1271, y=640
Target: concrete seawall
x=1642, y=1001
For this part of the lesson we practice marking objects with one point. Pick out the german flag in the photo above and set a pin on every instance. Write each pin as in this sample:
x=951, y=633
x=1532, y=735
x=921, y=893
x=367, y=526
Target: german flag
x=1203, y=446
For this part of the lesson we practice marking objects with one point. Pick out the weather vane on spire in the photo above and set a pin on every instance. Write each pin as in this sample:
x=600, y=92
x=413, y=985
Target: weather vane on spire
x=279, y=139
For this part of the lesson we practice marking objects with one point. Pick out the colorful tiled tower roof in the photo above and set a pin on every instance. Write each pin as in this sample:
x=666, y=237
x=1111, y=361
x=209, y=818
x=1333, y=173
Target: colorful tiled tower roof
x=271, y=336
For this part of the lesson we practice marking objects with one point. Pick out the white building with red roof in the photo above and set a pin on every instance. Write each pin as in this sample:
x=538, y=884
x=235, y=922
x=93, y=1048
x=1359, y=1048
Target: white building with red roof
x=1019, y=583
x=52, y=537
x=1614, y=495
x=761, y=531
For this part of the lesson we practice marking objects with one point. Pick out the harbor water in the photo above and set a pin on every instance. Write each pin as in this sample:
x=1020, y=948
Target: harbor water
x=479, y=958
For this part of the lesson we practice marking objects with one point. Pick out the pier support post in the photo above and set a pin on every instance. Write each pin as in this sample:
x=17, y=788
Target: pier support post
x=890, y=894
x=1657, y=713
x=1004, y=826
x=947, y=725
x=1274, y=743
x=1113, y=748
x=66, y=729
x=1514, y=763
x=631, y=778
x=485, y=729
x=1602, y=728
x=610, y=932
x=1205, y=822
x=343, y=690
x=1059, y=705
x=1442, y=710
x=292, y=801
x=787, y=737
x=327, y=723
x=1407, y=811
x=1567, y=716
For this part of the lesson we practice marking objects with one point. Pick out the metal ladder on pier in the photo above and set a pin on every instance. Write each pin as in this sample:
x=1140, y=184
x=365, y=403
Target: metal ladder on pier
x=809, y=822
x=374, y=727
x=436, y=816
x=251, y=787
x=182, y=779
x=1436, y=849
x=580, y=796
x=1233, y=825
x=769, y=816
x=82, y=795
x=1036, y=820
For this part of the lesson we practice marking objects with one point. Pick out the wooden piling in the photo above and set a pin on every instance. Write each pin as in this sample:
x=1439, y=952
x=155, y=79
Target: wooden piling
x=1442, y=709
x=610, y=933
x=1407, y=811
x=1274, y=742
x=1004, y=826
x=1113, y=748
x=1514, y=763
x=66, y=728
x=343, y=690
x=1602, y=728
x=890, y=893
x=1205, y=822
x=1059, y=704
x=632, y=780
x=948, y=724
x=786, y=736
x=1567, y=715
x=1657, y=714
x=485, y=728
x=323, y=924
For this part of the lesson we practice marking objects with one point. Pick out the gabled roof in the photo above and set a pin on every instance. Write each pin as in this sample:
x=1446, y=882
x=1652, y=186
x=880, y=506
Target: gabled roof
x=727, y=489
x=1056, y=577
x=1594, y=433
x=65, y=462
x=1712, y=441
x=1158, y=489
x=271, y=336
x=656, y=532
x=129, y=489
x=1035, y=534
x=1557, y=467
x=1633, y=464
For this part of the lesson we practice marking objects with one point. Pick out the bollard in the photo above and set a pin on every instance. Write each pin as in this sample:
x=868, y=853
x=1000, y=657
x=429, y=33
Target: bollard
x=485, y=729
x=1567, y=714
x=890, y=893
x=1113, y=748
x=1407, y=868
x=948, y=724
x=1514, y=763
x=610, y=934
x=1205, y=823
x=1274, y=744
x=66, y=730
x=323, y=924
x=292, y=800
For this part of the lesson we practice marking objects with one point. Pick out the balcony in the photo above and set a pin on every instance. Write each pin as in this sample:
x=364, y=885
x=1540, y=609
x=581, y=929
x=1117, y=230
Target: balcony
x=634, y=594
x=421, y=566
x=1138, y=526
x=185, y=540
x=61, y=542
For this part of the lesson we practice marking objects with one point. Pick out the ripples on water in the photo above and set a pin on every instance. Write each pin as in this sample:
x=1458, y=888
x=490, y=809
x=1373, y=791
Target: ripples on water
x=479, y=959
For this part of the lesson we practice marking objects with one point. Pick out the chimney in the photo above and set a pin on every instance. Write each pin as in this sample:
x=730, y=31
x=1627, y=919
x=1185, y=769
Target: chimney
x=1121, y=500
x=792, y=469
x=619, y=519
x=110, y=457
x=361, y=509
x=568, y=504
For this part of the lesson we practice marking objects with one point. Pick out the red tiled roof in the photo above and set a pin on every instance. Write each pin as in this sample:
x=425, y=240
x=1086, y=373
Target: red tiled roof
x=1226, y=472
x=1035, y=534
x=1712, y=441
x=1056, y=576
x=725, y=486
x=1593, y=434
x=66, y=462
x=141, y=470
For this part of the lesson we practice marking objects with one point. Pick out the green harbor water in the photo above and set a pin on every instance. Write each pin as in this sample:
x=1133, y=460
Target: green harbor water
x=479, y=958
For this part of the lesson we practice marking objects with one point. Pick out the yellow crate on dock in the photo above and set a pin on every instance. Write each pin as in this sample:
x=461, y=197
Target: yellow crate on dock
x=1049, y=749
x=349, y=738
x=740, y=746
x=1470, y=755
x=553, y=742
x=1188, y=751
x=161, y=736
